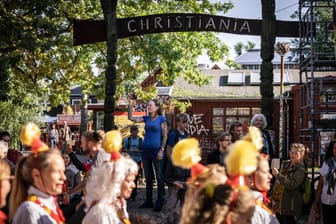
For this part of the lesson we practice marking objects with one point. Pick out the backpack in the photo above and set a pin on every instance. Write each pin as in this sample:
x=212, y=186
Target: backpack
x=129, y=143
x=306, y=189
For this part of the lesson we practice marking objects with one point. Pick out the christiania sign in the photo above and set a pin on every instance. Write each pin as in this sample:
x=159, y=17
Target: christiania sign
x=90, y=31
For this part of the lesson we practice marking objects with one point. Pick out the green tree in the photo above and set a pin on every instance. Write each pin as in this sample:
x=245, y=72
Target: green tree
x=36, y=49
x=323, y=40
x=37, y=58
x=174, y=53
x=240, y=47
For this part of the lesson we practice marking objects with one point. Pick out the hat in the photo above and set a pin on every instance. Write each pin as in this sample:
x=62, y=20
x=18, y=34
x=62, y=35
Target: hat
x=112, y=144
x=186, y=154
x=30, y=136
x=242, y=158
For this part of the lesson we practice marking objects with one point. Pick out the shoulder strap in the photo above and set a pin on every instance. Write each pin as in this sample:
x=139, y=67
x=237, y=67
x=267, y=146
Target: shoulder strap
x=177, y=135
x=128, y=142
x=140, y=143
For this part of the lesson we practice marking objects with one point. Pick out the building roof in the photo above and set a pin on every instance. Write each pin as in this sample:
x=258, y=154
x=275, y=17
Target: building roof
x=252, y=57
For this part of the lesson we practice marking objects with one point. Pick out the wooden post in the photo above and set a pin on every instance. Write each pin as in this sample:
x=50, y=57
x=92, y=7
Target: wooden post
x=110, y=15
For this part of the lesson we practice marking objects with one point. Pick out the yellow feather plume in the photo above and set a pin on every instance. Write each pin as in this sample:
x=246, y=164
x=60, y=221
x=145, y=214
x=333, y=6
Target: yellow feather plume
x=186, y=153
x=112, y=141
x=29, y=133
x=242, y=158
x=254, y=136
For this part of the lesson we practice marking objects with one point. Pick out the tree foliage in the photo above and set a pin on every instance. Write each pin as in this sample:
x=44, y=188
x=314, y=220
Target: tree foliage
x=240, y=47
x=36, y=49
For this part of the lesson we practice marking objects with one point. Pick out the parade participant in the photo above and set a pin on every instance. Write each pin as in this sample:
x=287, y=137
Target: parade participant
x=326, y=191
x=260, y=183
x=73, y=176
x=287, y=194
x=39, y=177
x=153, y=147
x=91, y=145
x=259, y=121
x=4, y=187
x=132, y=146
x=219, y=154
x=114, y=181
x=212, y=197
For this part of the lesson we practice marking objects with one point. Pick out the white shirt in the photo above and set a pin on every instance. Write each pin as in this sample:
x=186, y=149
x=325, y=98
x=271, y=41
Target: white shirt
x=103, y=213
x=31, y=213
x=260, y=215
x=327, y=199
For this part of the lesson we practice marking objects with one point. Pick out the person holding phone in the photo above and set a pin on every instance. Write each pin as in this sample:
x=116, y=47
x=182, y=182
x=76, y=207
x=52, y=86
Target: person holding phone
x=153, y=147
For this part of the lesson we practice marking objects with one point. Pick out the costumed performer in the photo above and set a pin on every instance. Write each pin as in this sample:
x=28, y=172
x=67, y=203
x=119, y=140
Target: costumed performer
x=110, y=184
x=39, y=177
x=212, y=197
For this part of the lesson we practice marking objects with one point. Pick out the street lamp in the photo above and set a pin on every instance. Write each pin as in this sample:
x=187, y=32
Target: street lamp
x=282, y=48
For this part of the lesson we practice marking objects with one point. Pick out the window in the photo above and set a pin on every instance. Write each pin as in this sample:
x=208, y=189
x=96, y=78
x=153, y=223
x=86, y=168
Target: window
x=76, y=102
x=236, y=78
x=217, y=125
x=277, y=78
x=222, y=118
x=255, y=78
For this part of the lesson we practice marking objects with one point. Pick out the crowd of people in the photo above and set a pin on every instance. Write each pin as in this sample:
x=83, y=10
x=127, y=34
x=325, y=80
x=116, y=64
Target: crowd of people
x=235, y=184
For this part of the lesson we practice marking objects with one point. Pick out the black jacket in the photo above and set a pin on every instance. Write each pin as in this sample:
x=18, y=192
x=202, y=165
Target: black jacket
x=214, y=157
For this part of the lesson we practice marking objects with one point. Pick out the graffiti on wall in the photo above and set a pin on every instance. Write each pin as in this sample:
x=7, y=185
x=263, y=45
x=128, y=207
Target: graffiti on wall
x=196, y=125
x=207, y=143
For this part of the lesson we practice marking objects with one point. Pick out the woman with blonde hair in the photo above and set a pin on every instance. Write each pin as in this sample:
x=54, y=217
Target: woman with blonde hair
x=39, y=177
x=288, y=200
x=110, y=184
x=260, y=184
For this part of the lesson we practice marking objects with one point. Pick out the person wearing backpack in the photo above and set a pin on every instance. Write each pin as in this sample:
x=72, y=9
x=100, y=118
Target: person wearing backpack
x=326, y=190
x=177, y=134
x=132, y=146
x=176, y=177
x=290, y=179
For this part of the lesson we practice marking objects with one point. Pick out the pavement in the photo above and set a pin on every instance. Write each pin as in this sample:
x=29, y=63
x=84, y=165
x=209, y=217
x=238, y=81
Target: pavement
x=148, y=216
x=138, y=215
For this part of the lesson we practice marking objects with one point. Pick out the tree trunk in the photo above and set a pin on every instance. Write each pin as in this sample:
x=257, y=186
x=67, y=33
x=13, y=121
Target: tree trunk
x=109, y=8
x=267, y=54
x=84, y=112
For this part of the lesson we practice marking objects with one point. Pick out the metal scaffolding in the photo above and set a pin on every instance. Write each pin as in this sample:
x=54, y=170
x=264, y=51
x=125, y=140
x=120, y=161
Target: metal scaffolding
x=317, y=54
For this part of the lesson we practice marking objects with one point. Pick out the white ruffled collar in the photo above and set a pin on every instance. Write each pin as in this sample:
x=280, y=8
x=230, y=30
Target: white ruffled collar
x=46, y=199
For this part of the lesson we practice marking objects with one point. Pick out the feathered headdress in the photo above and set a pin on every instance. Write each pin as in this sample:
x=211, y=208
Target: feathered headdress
x=186, y=154
x=242, y=161
x=30, y=136
x=112, y=143
x=242, y=157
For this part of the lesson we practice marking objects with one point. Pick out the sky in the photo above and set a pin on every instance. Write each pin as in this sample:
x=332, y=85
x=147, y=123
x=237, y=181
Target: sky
x=251, y=9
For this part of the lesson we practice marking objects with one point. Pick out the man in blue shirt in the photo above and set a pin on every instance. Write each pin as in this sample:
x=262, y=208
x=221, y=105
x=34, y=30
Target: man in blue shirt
x=176, y=177
x=132, y=146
